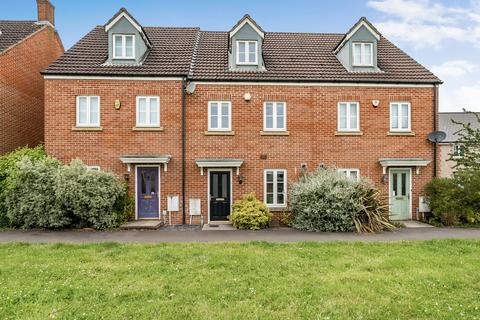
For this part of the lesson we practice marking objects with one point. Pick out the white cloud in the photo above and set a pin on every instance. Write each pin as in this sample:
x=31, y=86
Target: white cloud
x=466, y=96
x=454, y=68
x=426, y=23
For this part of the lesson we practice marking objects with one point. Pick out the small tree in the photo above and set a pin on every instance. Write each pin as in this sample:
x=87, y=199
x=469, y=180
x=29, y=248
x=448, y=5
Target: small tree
x=469, y=141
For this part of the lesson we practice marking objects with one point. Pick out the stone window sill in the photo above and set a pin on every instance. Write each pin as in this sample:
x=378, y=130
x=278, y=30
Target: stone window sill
x=349, y=133
x=219, y=133
x=87, y=128
x=277, y=209
x=147, y=129
x=401, y=133
x=274, y=133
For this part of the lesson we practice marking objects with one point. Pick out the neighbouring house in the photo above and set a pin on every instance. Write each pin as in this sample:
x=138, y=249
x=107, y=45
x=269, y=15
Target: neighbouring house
x=449, y=146
x=26, y=48
x=195, y=119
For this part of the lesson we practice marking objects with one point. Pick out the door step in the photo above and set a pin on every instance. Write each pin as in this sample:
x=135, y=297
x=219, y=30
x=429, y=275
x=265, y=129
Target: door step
x=214, y=226
x=142, y=225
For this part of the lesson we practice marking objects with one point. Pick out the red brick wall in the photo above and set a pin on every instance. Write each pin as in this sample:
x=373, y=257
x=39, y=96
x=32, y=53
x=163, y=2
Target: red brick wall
x=21, y=89
x=311, y=122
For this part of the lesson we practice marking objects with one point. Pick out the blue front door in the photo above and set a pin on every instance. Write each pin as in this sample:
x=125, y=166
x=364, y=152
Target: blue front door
x=147, y=192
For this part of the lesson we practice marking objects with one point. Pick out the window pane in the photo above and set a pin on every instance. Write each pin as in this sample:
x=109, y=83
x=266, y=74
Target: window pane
x=142, y=111
x=241, y=52
x=343, y=116
x=251, y=52
x=129, y=46
x=353, y=174
x=269, y=187
x=153, y=188
x=269, y=199
x=225, y=122
x=225, y=109
x=368, y=53
x=82, y=110
x=353, y=116
x=224, y=185
x=118, y=46
x=280, y=176
x=215, y=186
x=214, y=115
x=357, y=53
x=280, y=198
x=404, y=184
x=269, y=176
x=394, y=184
x=405, y=116
x=94, y=110
x=153, y=111
x=225, y=116
x=269, y=115
x=394, y=110
x=280, y=121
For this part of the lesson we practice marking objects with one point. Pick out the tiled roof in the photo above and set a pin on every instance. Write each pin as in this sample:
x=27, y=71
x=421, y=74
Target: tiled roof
x=170, y=55
x=11, y=32
x=446, y=125
x=287, y=57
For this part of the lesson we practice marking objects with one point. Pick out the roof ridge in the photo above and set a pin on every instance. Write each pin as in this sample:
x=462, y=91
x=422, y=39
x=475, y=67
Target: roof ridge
x=194, y=55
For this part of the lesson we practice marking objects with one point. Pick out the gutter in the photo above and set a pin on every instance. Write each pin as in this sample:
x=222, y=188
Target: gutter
x=435, y=144
x=184, y=157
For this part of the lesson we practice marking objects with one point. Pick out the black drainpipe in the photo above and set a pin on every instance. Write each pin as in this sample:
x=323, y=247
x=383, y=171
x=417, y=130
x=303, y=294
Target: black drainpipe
x=435, y=97
x=184, y=160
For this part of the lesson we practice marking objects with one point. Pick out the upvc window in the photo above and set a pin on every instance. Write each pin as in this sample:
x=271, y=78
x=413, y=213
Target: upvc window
x=350, y=173
x=123, y=46
x=219, y=116
x=247, y=52
x=400, y=116
x=275, y=187
x=274, y=116
x=148, y=111
x=363, y=54
x=88, y=111
x=457, y=150
x=348, y=116
x=93, y=168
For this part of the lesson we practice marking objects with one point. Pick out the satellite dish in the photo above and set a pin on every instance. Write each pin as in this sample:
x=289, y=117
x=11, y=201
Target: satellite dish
x=190, y=88
x=436, y=136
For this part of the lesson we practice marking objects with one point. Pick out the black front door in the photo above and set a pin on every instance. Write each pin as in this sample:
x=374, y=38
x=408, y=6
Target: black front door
x=219, y=195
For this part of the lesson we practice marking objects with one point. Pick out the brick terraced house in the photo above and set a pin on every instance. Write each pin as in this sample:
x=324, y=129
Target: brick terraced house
x=210, y=116
x=26, y=48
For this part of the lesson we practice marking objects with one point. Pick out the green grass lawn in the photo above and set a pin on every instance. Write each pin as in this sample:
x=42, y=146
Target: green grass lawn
x=401, y=280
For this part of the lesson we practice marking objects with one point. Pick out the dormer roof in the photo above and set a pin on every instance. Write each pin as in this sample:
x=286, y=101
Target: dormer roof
x=246, y=19
x=362, y=22
x=123, y=13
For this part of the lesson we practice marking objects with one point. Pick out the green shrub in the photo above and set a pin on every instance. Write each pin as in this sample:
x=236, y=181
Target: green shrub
x=250, y=213
x=328, y=201
x=43, y=193
x=88, y=197
x=31, y=195
x=8, y=167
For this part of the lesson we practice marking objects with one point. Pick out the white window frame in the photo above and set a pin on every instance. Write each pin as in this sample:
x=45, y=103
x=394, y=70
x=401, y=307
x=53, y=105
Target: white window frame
x=219, y=115
x=148, y=124
x=457, y=150
x=275, y=124
x=93, y=168
x=399, y=103
x=247, y=54
x=348, y=129
x=124, y=46
x=275, y=186
x=362, y=62
x=348, y=172
x=89, y=124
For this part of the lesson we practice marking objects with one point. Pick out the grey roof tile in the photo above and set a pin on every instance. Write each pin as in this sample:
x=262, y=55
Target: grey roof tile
x=13, y=32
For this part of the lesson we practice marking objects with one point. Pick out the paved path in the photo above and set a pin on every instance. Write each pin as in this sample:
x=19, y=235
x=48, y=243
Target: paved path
x=273, y=235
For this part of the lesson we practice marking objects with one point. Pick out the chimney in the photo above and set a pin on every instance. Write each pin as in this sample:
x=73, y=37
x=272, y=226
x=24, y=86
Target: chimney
x=46, y=12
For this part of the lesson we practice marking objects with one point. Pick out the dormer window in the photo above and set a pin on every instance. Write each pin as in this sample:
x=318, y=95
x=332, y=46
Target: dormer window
x=247, y=52
x=124, y=46
x=362, y=54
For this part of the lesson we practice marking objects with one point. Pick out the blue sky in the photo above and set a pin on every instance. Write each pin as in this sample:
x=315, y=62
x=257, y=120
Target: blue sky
x=444, y=36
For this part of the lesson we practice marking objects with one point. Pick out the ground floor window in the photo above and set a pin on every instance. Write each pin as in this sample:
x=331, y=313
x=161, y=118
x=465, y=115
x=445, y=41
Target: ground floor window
x=275, y=187
x=351, y=173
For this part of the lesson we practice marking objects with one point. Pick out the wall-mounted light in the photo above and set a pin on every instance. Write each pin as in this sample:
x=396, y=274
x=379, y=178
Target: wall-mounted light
x=384, y=179
x=117, y=104
x=126, y=176
x=375, y=103
x=247, y=96
x=240, y=179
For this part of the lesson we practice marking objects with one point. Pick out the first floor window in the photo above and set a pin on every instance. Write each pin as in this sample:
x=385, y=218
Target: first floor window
x=275, y=188
x=363, y=54
x=219, y=116
x=348, y=116
x=350, y=173
x=247, y=52
x=148, y=112
x=400, y=116
x=123, y=46
x=274, y=116
x=88, y=111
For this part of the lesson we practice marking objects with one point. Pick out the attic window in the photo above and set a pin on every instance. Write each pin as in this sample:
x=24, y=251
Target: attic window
x=363, y=54
x=247, y=52
x=123, y=46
